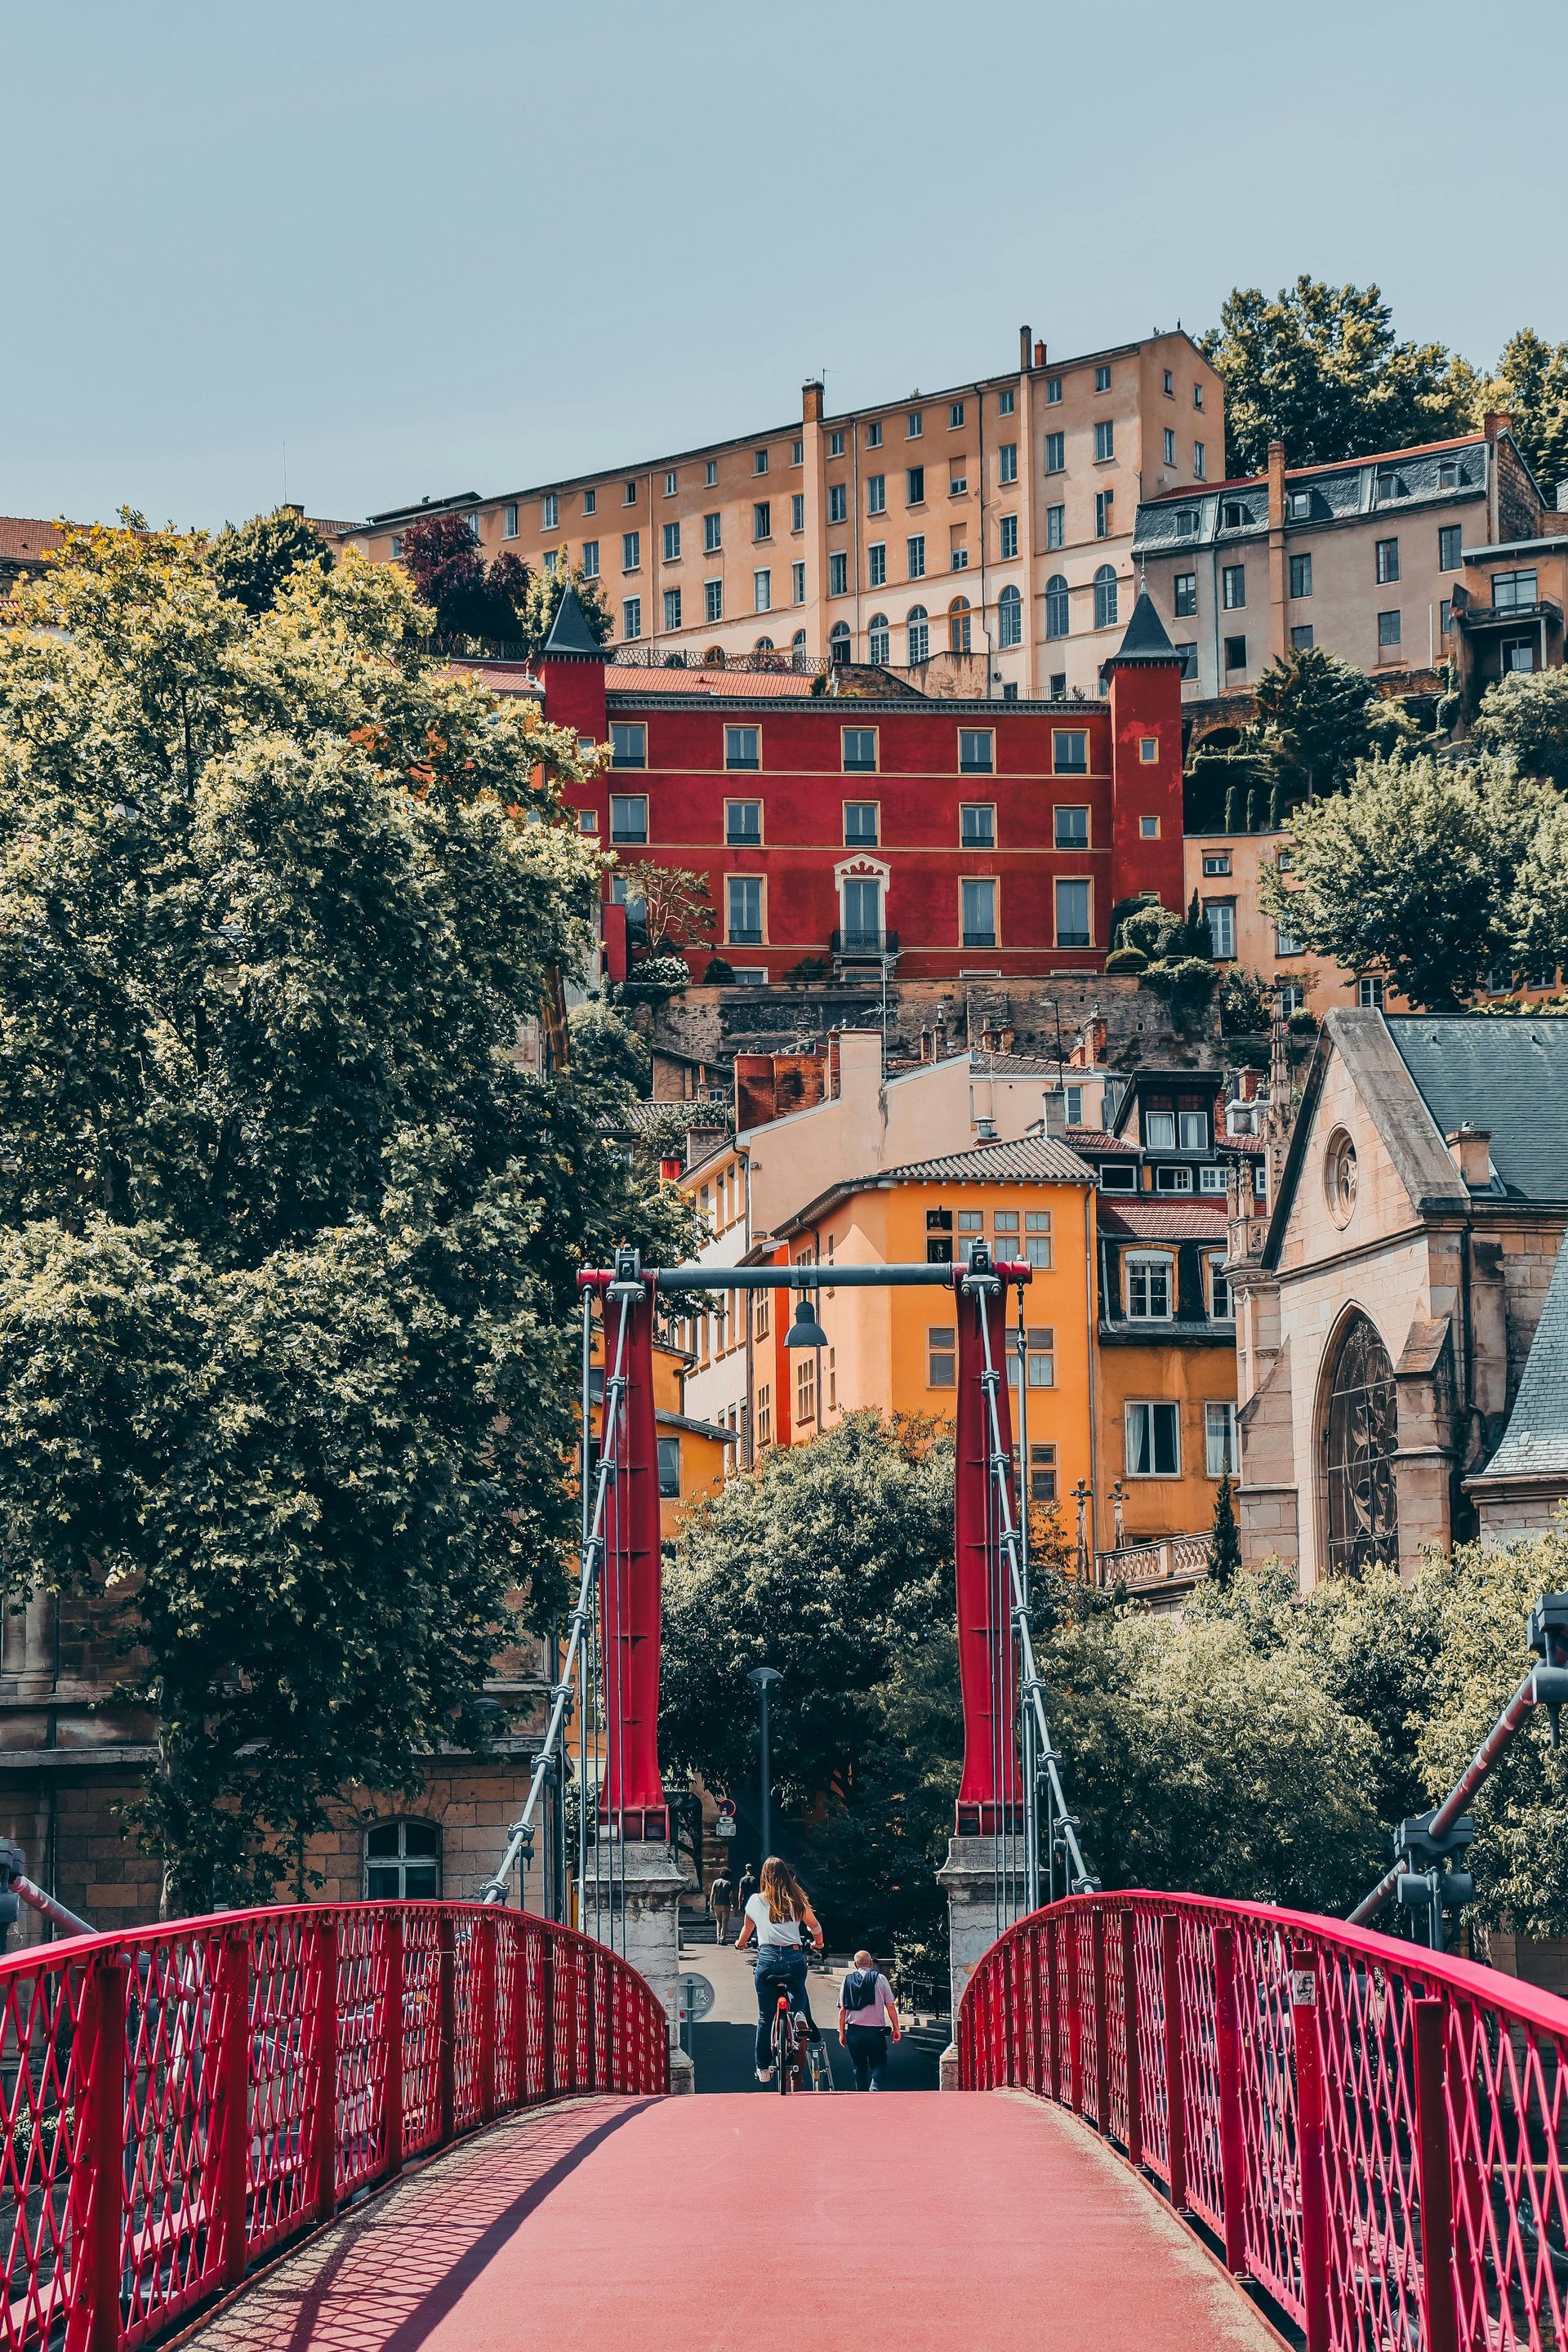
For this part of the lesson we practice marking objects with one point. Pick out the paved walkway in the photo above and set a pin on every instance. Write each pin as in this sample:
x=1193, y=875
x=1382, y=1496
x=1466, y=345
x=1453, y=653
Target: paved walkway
x=932, y=2222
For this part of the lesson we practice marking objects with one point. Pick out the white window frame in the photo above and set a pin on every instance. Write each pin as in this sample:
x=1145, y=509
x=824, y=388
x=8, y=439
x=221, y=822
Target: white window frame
x=1214, y=1283
x=1146, y=1264
x=1222, y=1460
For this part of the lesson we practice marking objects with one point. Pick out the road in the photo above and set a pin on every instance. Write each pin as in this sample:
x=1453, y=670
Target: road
x=722, y=2046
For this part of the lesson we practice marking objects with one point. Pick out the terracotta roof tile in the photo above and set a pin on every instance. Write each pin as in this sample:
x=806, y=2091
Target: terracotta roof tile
x=24, y=538
x=1163, y=1221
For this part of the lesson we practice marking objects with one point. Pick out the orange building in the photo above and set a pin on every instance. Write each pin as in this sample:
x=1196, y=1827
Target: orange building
x=896, y=1349
x=979, y=538
x=694, y=1456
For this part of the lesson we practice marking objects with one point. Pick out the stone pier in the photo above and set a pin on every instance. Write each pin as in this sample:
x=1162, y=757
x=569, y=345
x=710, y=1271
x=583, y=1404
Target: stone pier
x=969, y=1875
x=654, y=1880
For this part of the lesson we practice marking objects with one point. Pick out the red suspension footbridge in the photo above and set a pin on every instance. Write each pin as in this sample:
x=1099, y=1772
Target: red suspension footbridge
x=1173, y=2121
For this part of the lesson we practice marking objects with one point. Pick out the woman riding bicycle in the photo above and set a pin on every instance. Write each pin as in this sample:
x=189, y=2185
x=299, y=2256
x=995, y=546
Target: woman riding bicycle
x=779, y=1918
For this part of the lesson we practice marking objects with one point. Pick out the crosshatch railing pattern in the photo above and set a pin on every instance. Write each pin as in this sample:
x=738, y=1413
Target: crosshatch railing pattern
x=1375, y=2134
x=179, y=2100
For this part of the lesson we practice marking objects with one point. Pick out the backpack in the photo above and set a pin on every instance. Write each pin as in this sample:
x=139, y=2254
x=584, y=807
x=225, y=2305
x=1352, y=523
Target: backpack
x=861, y=1987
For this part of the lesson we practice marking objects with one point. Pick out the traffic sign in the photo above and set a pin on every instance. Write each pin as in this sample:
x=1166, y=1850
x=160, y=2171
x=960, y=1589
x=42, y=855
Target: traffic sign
x=725, y=1825
x=696, y=1993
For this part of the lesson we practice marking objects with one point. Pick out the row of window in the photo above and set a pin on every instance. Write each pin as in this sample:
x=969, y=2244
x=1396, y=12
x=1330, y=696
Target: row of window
x=744, y=826
x=1153, y=1431
x=860, y=749
x=862, y=926
x=1149, y=1284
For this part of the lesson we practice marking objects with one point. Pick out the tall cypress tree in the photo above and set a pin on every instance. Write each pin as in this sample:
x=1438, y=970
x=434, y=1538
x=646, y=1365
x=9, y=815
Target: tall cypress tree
x=1225, y=1557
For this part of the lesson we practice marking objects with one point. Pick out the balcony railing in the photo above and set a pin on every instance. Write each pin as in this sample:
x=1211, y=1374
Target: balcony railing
x=865, y=943
x=1172, y=1560
x=979, y=938
x=744, y=939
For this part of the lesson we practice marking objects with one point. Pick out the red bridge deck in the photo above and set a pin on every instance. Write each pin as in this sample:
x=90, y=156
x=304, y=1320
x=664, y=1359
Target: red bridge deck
x=920, y=2220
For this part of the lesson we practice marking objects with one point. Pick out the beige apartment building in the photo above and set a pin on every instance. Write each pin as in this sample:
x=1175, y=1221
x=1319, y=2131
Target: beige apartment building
x=1360, y=560
x=980, y=537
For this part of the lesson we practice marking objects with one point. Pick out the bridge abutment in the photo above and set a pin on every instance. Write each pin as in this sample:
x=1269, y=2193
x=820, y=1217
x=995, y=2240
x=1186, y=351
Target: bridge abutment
x=984, y=1880
x=652, y=1880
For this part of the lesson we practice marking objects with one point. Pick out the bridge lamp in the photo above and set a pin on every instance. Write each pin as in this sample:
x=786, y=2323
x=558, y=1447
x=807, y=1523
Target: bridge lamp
x=805, y=1331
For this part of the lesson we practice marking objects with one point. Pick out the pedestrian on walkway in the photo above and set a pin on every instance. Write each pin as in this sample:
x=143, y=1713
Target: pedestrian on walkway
x=867, y=2014
x=748, y=1885
x=721, y=1902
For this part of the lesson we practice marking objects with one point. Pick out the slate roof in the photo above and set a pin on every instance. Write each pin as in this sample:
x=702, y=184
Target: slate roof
x=1162, y=1221
x=1146, y=638
x=1535, y=1442
x=1509, y=1076
x=569, y=631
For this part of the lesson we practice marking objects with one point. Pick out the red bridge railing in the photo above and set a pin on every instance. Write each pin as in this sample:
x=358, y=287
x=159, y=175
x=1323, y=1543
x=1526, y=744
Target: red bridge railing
x=179, y=2100
x=1376, y=2133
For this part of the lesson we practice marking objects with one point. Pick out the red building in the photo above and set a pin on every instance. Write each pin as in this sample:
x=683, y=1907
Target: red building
x=958, y=836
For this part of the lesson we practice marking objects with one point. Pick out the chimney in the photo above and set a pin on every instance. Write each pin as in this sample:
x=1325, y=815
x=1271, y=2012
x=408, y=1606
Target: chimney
x=1056, y=1120
x=1276, y=485
x=1039, y=356
x=1024, y=348
x=811, y=395
x=1496, y=421
x=1089, y=1052
x=985, y=1131
x=1472, y=1148
x=669, y=1171
x=701, y=1141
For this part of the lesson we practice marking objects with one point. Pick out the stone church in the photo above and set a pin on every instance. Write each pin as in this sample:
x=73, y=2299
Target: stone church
x=1402, y=1314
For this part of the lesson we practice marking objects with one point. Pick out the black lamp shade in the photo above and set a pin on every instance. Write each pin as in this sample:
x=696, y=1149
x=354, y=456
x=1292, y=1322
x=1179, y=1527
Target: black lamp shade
x=805, y=1331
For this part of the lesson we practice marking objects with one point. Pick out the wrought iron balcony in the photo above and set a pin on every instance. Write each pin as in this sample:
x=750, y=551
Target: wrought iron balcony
x=865, y=943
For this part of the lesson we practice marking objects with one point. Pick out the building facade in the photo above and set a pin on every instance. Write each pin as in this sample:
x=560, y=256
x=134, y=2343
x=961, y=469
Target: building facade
x=883, y=832
x=1360, y=560
x=1386, y=1308
x=986, y=528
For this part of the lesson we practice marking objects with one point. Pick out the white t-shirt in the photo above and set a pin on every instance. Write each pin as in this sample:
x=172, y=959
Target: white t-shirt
x=769, y=1929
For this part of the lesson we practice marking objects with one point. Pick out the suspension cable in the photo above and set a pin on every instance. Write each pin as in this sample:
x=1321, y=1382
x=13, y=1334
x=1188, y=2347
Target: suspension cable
x=982, y=1280
x=520, y=1839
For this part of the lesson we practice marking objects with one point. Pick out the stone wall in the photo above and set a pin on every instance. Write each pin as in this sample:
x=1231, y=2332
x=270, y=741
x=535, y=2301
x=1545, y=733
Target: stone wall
x=714, y=1024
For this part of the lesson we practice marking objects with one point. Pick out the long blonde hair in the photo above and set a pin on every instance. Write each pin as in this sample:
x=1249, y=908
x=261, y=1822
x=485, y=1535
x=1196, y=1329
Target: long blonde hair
x=781, y=1890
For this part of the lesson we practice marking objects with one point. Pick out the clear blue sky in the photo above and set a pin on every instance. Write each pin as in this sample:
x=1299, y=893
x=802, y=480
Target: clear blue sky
x=475, y=244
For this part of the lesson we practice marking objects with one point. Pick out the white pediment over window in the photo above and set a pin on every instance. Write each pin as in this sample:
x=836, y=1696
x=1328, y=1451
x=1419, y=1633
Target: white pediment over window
x=860, y=869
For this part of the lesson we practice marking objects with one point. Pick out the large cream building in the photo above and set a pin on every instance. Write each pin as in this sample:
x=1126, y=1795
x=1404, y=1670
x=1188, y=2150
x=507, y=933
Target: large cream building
x=980, y=535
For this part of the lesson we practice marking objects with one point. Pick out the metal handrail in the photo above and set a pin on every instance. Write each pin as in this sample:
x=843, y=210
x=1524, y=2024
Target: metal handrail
x=179, y=2101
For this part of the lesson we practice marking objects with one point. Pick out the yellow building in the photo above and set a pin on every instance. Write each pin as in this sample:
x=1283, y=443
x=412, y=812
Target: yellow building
x=694, y=1456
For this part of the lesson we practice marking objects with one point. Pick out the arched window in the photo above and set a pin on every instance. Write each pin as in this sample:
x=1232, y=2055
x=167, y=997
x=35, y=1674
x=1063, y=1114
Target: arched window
x=763, y=645
x=838, y=643
x=1360, y=1441
x=1057, y=605
x=1010, y=617
x=919, y=634
x=958, y=625
x=880, y=640
x=403, y=1862
x=1105, y=597
x=797, y=648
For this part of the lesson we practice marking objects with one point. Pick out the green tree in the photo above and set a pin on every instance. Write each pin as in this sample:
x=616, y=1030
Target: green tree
x=251, y=561
x=1225, y=1559
x=1319, y=368
x=1532, y=386
x=1526, y=716
x=1483, y=1596
x=542, y=602
x=1197, y=1759
x=1412, y=871
x=1312, y=726
x=287, y=1238
x=606, y=1049
x=676, y=906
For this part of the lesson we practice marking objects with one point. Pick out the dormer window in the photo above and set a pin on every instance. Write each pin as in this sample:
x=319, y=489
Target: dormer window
x=1236, y=515
x=1300, y=506
x=1187, y=522
x=1390, y=484
x=1447, y=473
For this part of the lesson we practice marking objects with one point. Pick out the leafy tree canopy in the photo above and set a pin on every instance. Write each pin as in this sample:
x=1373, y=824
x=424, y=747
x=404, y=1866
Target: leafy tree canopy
x=288, y=1235
x=676, y=905
x=251, y=561
x=1532, y=386
x=1415, y=871
x=1319, y=368
x=605, y=1048
x=538, y=607
x=1526, y=715
x=1312, y=722
x=471, y=598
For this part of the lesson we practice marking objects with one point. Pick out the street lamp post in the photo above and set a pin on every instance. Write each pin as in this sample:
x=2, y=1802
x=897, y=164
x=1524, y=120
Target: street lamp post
x=762, y=1679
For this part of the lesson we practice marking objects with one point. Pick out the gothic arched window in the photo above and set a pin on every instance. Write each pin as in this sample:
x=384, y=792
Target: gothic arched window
x=1360, y=1444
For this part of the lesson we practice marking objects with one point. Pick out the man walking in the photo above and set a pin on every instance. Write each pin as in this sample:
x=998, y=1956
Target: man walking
x=720, y=1902
x=867, y=2014
x=748, y=1888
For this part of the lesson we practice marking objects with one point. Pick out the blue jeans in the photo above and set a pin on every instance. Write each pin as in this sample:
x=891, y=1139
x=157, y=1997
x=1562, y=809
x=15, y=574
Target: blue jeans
x=867, y=2048
x=780, y=1968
